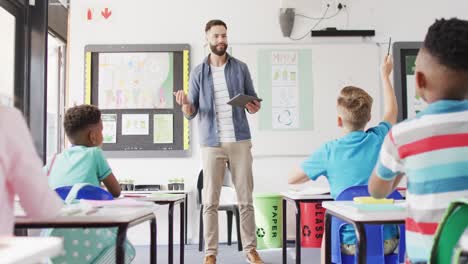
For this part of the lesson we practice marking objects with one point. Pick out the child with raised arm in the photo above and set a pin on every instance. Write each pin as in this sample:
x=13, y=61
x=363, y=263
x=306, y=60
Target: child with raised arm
x=432, y=148
x=349, y=160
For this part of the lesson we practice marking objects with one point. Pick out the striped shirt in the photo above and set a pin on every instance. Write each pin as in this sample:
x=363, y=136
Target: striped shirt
x=432, y=150
x=224, y=123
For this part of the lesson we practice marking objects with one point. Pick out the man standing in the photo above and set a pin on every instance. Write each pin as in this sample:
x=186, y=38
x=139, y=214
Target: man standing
x=224, y=136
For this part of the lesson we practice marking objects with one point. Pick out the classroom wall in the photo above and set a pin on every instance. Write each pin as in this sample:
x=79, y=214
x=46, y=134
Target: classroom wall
x=249, y=21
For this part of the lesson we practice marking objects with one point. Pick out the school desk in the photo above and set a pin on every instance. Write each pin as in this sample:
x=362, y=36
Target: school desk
x=184, y=192
x=120, y=217
x=28, y=250
x=358, y=216
x=171, y=200
x=296, y=198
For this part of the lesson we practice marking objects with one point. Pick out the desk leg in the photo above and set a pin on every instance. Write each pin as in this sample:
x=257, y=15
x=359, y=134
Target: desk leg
x=171, y=233
x=185, y=216
x=153, y=244
x=182, y=223
x=298, y=232
x=361, y=242
x=327, y=238
x=120, y=246
x=285, y=204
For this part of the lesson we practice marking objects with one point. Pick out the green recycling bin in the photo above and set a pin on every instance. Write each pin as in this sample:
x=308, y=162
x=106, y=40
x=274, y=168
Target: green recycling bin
x=269, y=220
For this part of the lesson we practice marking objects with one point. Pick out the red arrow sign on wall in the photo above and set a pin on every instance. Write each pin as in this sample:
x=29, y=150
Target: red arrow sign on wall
x=89, y=14
x=106, y=13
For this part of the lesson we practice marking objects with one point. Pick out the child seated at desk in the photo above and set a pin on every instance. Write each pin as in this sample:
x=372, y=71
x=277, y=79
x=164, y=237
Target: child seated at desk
x=84, y=162
x=21, y=174
x=349, y=160
x=432, y=148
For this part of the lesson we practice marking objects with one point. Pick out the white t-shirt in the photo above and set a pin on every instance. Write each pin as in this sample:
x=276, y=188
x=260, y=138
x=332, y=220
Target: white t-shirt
x=224, y=121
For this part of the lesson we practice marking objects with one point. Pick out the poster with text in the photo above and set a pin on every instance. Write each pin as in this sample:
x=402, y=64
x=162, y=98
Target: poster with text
x=285, y=83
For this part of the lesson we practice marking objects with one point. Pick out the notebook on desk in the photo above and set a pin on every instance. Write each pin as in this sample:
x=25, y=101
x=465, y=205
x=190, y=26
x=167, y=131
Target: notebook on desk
x=397, y=206
x=308, y=192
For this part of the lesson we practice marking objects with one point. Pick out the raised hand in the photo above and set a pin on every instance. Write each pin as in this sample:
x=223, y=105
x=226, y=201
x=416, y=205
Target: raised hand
x=387, y=66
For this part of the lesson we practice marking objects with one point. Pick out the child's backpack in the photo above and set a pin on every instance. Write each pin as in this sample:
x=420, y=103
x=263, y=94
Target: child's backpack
x=87, y=245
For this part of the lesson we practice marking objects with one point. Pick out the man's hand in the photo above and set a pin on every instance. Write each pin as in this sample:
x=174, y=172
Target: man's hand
x=181, y=97
x=253, y=106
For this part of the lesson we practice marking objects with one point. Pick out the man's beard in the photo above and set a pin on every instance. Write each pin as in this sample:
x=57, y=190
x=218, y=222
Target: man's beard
x=219, y=52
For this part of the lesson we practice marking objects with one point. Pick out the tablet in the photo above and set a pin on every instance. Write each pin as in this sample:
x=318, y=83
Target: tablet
x=242, y=99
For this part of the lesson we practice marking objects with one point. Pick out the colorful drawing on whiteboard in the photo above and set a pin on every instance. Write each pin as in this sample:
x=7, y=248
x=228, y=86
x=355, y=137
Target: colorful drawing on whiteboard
x=135, y=80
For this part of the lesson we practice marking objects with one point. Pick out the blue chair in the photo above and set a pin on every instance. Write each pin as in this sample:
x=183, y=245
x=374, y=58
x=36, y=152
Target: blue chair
x=375, y=250
x=85, y=192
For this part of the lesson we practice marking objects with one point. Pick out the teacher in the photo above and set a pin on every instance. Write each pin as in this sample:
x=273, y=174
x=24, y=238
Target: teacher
x=224, y=136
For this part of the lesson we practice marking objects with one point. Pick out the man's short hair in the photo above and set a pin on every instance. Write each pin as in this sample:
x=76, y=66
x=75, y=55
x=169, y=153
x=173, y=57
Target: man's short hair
x=447, y=41
x=214, y=22
x=354, y=105
x=79, y=118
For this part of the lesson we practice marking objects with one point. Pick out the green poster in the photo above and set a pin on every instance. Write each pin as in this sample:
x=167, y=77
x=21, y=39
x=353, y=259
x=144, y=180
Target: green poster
x=285, y=84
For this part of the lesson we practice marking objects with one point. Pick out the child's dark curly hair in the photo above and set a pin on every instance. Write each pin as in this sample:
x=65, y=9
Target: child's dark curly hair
x=447, y=40
x=79, y=118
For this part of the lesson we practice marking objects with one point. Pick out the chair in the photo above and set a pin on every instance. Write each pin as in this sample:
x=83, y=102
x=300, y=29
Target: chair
x=85, y=192
x=449, y=231
x=375, y=251
x=230, y=207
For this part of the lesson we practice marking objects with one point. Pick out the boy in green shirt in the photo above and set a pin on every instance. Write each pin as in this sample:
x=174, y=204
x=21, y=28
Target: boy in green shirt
x=84, y=162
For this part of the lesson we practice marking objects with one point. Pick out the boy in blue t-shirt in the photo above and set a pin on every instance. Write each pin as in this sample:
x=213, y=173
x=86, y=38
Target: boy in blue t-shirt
x=84, y=162
x=350, y=160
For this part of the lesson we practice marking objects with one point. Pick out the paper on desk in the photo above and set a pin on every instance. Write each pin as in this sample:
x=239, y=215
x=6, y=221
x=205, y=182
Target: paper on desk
x=312, y=190
x=120, y=202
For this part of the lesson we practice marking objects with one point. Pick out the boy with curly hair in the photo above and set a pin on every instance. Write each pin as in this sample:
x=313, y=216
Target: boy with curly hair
x=432, y=148
x=84, y=162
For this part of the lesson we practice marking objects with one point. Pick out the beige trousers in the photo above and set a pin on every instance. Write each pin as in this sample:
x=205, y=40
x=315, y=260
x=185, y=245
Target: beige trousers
x=239, y=156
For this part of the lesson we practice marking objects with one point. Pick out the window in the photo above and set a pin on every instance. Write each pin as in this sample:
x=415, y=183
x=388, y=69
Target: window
x=55, y=95
x=7, y=57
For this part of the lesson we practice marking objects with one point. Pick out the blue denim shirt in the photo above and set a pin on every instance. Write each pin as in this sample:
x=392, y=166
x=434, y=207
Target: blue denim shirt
x=201, y=95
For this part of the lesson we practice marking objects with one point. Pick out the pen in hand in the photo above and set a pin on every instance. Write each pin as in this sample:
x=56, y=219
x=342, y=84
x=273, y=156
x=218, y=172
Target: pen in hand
x=389, y=45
